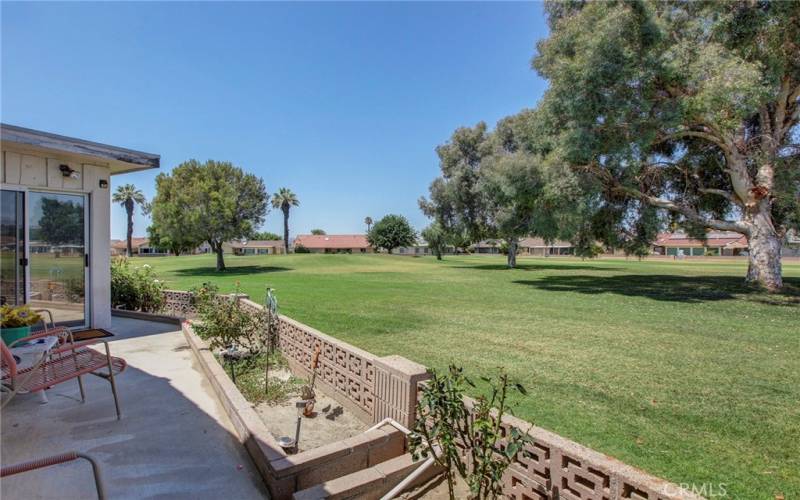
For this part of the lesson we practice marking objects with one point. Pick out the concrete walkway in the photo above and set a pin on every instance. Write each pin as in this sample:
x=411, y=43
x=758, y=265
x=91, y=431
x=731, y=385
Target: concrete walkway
x=174, y=439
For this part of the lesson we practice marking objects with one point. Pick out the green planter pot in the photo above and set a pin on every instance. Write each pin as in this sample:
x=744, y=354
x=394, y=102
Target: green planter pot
x=13, y=334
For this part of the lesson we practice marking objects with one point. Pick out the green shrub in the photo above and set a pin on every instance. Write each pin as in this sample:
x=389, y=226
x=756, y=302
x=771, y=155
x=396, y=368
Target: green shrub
x=445, y=423
x=301, y=249
x=225, y=324
x=135, y=288
x=203, y=294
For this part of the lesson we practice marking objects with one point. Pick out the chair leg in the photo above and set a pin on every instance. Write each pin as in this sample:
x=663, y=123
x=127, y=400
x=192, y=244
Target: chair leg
x=98, y=481
x=83, y=393
x=111, y=379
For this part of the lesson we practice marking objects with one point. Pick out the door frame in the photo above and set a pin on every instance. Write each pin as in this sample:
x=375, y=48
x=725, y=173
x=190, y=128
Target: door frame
x=24, y=254
x=87, y=249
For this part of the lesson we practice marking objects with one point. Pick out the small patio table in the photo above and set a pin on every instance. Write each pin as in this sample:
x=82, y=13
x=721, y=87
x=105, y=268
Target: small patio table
x=30, y=353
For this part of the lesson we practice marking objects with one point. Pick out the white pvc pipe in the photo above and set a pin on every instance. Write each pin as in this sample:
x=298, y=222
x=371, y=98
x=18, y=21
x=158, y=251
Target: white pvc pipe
x=402, y=485
x=408, y=480
x=394, y=423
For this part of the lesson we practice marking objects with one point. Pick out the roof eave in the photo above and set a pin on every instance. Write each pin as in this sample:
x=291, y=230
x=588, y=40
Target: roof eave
x=120, y=160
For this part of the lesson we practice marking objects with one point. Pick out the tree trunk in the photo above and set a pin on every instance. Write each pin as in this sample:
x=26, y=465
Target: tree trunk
x=220, y=259
x=764, y=254
x=129, y=210
x=438, y=254
x=286, y=229
x=512, y=253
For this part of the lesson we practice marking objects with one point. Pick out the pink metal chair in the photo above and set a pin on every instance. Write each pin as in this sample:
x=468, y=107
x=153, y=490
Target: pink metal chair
x=56, y=460
x=66, y=362
x=63, y=334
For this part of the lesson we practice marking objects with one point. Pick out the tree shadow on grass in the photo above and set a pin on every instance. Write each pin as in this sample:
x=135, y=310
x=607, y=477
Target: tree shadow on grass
x=687, y=289
x=539, y=267
x=231, y=271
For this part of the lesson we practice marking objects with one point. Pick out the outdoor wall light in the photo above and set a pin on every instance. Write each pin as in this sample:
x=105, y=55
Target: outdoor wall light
x=66, y=171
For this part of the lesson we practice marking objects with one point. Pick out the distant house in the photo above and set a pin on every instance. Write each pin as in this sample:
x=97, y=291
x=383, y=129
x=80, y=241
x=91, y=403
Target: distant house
x=542, y=248
x=227, y=248
x=257, y=247
x=487, y=246
x=791, y=247
x=334, y=243
x=421, y=248
x=139, y=246
x=724, y=243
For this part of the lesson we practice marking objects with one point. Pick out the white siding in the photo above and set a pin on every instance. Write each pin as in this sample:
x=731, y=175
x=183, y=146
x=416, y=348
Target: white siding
x=26, y=170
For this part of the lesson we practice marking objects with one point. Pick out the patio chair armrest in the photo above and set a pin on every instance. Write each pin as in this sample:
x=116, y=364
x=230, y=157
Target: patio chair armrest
x=61, y=332
x=77, y=345
x=49, y=314
x=10, y=470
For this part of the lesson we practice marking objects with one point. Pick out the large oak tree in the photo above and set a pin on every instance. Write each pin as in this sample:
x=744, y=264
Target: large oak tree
x=688, y=109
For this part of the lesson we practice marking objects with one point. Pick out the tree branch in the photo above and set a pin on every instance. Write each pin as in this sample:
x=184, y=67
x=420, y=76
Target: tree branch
x=688, y=212
x=782, y=102
x=721, y=192
x=726, y=148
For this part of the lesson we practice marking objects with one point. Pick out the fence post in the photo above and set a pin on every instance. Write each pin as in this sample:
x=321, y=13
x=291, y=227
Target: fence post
x=396, y=380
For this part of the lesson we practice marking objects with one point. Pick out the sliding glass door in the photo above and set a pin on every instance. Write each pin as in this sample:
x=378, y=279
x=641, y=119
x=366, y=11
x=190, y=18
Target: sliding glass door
x=12, y=247
x=43, y=253
x=58, y=257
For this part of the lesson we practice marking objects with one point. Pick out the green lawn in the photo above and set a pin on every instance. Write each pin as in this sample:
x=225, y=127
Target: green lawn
x=670, y=366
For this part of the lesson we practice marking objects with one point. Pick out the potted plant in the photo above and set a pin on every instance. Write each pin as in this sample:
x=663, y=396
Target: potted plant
x=17, y=322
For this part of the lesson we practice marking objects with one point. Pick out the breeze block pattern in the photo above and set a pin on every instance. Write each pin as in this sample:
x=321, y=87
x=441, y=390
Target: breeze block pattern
x=179, y=303
x=374, y=388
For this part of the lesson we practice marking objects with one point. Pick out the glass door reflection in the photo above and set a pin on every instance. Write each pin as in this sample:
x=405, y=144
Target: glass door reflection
x=57, y=251
x=12, y=247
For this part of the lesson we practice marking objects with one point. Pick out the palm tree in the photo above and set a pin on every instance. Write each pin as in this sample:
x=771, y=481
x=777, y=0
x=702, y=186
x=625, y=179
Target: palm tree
x=368, y=222
x=128, y=196
x=285, y=199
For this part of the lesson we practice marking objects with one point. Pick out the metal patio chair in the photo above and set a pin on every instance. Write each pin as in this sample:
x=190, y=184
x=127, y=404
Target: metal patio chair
x=10, y=470
x=65, y=362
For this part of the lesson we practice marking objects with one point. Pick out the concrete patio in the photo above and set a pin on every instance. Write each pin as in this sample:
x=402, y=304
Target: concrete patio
x=174, y=439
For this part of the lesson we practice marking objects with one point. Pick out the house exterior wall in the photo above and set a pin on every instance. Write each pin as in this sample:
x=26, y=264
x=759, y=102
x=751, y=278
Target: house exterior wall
x=258, y=251
x=340, y=250
x=546, y=251
x=415, y=250
x=29, y=169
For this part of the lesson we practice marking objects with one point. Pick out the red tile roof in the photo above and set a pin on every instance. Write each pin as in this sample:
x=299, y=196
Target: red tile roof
x=726, y=239
x=135, y=242
x=332, y=241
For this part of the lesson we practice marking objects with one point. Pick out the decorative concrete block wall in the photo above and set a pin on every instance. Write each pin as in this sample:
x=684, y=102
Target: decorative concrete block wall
x=373, y=388
x=395, y=393
x=345, y=372
x=551, y=467
x=179, y=303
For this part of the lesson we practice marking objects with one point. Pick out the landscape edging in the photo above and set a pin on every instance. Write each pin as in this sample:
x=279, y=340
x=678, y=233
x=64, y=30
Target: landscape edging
x=146, y=316
x=249, y=427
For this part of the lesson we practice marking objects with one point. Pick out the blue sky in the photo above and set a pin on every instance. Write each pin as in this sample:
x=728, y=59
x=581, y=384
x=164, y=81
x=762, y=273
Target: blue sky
x=344, y=103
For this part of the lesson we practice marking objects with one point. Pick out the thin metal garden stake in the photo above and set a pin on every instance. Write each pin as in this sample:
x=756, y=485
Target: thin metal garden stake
x=300, y=407
x=297, y=434
x=271, y=309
